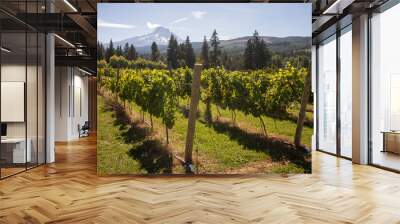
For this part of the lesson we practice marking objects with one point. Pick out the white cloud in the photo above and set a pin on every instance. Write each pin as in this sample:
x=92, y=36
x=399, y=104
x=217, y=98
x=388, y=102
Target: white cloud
x=198, y=14
x=102, y=23
x=179, y=20
x=152, y=25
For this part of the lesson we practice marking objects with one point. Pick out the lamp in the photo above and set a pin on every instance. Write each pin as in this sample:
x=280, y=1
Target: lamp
x=86, y=72
x=70, y=5
x=5, y=50
x=64, y=40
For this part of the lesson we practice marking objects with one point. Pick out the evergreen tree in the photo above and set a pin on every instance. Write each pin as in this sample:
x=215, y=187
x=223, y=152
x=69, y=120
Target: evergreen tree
x=260, y=51
x=181, y=51
x=155, y=53
x=110, y=51
x=100, y=51
x=181, y=55
x=204, y=53
x=172, y=53
x=119, y=51
x=126, y=50
x=256, y=54
x=249, y=55
x=264, y=54
x=132, y=55
x=226, y=60
x=215, y=52
x=190, y=57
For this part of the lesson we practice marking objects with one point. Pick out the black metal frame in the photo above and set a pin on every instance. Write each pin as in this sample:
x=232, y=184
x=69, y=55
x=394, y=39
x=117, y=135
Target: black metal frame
x=44, y=79
x=369, y=115
x=25, y=89
x=338, y=97
x=316, y=97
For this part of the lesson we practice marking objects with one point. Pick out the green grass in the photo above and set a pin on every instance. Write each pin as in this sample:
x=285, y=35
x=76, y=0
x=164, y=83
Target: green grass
x=282, y=128
x=287, y=168
x=112, y=152
x=216, y=150
x=220, y=147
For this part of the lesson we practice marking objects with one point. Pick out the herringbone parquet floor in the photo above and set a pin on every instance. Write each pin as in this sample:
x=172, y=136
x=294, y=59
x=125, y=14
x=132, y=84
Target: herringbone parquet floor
x=69, y=191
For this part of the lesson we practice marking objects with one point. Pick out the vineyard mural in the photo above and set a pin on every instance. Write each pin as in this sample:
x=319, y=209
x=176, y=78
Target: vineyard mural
x=174, y=101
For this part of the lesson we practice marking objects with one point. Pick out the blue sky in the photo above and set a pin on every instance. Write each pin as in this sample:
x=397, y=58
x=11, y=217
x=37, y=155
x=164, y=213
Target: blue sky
x=231, y=20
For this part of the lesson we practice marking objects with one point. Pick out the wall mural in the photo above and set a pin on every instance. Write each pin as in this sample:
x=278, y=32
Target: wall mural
x=204, y=88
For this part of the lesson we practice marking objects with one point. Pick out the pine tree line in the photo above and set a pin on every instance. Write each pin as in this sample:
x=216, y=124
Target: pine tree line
x=180, y=55
x=255, y=56
x=103, y=53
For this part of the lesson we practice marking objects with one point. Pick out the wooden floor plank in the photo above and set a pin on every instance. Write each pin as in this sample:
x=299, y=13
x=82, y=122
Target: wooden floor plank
x=69, y=191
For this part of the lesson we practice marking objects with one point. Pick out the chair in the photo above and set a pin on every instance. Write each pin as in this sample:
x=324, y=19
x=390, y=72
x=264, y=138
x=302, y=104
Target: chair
x=84, y=130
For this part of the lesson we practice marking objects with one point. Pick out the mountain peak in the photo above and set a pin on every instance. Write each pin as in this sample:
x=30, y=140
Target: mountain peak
x=160, y=35
x=162, y=32
x=160, y=29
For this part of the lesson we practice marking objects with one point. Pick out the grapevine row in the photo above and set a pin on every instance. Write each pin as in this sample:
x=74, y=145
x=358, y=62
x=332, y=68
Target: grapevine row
x=157, y=91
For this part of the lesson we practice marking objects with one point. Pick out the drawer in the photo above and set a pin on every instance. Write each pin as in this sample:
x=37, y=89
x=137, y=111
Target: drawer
x=392, y=142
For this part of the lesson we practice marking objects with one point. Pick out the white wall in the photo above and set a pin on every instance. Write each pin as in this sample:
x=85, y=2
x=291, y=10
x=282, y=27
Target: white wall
x=71, y=87
x=80, y=94
x=62, y=82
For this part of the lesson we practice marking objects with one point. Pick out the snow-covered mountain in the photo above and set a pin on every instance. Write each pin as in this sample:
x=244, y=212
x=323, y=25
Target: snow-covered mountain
x=160, y=35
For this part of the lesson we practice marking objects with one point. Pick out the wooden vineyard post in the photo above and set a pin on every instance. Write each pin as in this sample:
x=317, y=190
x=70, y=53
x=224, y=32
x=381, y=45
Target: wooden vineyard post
x=303, y=107
x=194, y=101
